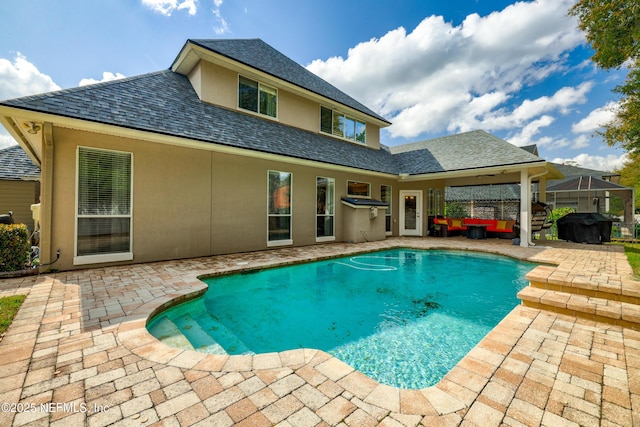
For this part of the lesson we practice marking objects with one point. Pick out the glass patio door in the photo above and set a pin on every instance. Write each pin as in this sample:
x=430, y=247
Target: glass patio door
x=411, y=213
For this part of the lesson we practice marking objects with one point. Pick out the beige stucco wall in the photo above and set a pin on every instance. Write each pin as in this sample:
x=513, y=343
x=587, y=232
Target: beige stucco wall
x=219, y=86
x=215, y=84
x=360, y=227
x=171, y=192
x=18, y=196
x=191, y=202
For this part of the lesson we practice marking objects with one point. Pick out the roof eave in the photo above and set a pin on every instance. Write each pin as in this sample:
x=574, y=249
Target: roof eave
x=538, y=166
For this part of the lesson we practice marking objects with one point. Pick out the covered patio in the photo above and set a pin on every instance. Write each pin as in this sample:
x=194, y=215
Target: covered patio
x=79, y=339
x=474, y=158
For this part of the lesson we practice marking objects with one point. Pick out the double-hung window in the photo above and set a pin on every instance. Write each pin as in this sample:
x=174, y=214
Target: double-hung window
x=104, y=205
x=325, y=210
x=338, y=124
x=279, y=208
x=257, y=97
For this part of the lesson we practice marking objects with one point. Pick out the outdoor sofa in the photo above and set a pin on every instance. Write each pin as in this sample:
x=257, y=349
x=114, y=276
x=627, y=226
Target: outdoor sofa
x=503, y=229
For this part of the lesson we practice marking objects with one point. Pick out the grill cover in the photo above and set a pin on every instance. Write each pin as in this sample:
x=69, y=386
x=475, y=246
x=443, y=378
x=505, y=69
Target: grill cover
x=585, y=227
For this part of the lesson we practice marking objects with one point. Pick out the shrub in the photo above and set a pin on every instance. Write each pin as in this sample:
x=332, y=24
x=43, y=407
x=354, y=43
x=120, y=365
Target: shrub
x=455, y=210
x=14, y=247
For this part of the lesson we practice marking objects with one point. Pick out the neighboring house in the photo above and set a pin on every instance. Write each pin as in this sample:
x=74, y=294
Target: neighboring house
x=19, y=185
x=234, y=148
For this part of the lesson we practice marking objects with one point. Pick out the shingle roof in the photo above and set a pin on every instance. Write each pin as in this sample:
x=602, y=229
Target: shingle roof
x=469, y=150
x=586, y=183
x=259, y=55
x=570, y=171
x=16, y=165
x=164, y=102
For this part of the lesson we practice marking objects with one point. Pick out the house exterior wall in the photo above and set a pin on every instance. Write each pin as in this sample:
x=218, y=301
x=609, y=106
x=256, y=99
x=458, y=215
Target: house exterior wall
x=219, y=86
x=190, y=202
x=18, y=196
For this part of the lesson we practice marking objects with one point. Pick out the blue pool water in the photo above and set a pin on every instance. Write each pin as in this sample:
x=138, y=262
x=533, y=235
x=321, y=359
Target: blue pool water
x=403, y=317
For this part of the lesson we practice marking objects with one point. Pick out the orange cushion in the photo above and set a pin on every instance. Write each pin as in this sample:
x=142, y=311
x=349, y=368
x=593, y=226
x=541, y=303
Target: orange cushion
x=456, y=223
x=440, y=221
x=502, y=225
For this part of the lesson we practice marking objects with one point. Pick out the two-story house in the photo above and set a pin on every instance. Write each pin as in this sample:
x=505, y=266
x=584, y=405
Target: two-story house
x=234, y=148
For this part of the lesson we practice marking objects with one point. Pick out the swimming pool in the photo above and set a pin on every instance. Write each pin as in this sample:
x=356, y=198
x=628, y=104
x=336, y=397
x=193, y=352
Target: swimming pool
x=403, y=317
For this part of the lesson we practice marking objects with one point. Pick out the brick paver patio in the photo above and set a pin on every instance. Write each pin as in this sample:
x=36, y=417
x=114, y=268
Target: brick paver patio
x=78, y=353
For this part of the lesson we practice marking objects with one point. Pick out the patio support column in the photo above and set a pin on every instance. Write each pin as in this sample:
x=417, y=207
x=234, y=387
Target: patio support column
x=46, y=195
x=542, y=197
x=525, y=208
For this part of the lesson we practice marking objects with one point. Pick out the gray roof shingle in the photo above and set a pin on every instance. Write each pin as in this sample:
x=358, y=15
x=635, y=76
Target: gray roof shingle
x=15, y=165
x=585, y=183
x=164, y=102
x=259, y=55
x=469, y=150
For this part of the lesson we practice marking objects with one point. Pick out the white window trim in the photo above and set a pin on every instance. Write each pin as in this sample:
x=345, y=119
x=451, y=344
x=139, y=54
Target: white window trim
x=327, y=238
x=389, y=211
x=258, y=113
x=284, y=242
x=101, y=258
x=358, y=195
x=342, y=138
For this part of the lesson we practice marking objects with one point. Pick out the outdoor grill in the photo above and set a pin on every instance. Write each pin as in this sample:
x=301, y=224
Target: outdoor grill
x=588, y=227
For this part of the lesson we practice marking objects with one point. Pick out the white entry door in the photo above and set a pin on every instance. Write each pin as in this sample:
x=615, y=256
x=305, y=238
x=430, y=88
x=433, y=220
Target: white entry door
x=411, y=212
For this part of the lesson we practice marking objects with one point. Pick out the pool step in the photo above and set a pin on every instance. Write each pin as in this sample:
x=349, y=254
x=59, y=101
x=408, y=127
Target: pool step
x=591, y=284
x=584, y=306
x=168, y=332
x=197, y=332
x=198, y=337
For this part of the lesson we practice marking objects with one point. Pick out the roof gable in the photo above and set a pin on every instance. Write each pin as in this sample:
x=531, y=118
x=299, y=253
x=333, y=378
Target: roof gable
x=257, y=54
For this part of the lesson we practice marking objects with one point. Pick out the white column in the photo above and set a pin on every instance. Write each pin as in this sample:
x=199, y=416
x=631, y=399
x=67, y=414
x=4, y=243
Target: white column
x=543, y=198
x=525, y=208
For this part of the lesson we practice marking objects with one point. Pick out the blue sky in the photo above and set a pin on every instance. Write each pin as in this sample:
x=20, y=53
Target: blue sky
x=519, y=70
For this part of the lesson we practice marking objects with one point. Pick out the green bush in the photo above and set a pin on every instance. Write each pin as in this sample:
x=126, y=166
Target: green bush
x=455, y=210
x=14, y=247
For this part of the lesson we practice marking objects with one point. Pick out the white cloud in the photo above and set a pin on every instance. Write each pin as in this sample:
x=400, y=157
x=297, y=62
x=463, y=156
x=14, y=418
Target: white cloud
x=596, y=119
x=22, y=78
x=609, y=162
x=106, y=77
x=221, y=26
x=167, y=7
x=6, y=140
x=441, y=77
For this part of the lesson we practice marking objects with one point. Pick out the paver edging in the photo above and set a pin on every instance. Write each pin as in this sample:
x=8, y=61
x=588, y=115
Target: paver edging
x=134, y=336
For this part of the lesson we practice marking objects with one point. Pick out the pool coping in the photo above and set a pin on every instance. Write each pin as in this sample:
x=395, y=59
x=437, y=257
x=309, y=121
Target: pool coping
x=440, y=397
x=65, y=346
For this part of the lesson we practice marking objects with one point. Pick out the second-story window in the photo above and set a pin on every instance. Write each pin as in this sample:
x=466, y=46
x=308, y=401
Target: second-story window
x=338, y=124
x=257, y=97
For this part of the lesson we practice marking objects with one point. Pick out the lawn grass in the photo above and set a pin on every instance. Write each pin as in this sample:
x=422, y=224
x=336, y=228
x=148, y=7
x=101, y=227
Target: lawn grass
x=633, y=255
x=8, y=308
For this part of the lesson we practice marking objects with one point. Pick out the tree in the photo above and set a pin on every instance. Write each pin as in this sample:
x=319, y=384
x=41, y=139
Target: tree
x=612, y=28
x=630, y=175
